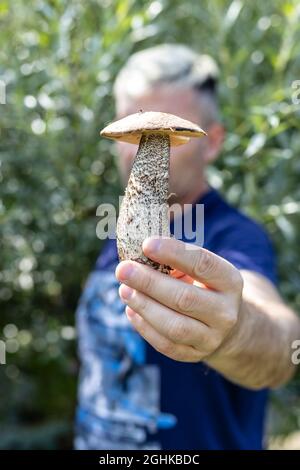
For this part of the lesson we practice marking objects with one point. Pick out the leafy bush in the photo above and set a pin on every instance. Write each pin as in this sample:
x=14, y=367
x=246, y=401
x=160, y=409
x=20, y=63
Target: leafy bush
x=58, y=60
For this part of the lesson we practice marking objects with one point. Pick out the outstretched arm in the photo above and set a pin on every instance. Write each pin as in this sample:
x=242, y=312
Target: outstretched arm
x=233, y=320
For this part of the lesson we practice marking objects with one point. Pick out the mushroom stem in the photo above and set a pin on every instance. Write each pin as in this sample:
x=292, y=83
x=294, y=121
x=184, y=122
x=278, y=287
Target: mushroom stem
x=144, y=209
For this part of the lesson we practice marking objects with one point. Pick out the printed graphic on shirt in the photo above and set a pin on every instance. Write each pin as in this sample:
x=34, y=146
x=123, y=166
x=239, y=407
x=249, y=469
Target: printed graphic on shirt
x=119, y=394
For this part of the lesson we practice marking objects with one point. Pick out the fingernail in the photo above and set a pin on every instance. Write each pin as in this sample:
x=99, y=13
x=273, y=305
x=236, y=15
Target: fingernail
x=152, y=244
x=129, y=312
x=126, y=272
x=125, y=292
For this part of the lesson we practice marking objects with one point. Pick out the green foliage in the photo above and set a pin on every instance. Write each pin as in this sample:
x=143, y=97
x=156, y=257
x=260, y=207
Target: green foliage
x=58, y=60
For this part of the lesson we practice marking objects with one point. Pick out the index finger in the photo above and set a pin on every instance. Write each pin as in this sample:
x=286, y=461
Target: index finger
x=199, y=263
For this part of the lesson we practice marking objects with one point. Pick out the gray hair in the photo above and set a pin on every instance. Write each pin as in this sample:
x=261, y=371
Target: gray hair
x=165, y=64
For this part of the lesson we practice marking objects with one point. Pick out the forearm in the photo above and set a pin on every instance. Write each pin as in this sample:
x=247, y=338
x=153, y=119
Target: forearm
x=257, y=353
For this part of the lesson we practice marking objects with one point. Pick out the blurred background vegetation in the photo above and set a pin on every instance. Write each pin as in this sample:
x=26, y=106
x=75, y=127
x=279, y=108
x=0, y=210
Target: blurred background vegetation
x=58, y=60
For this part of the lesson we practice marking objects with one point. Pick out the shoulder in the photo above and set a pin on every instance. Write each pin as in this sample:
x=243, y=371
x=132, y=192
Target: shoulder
x=241, y=240
x=230, y=222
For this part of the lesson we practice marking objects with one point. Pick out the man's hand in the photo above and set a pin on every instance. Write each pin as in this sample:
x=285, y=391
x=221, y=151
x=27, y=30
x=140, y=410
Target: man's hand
x=187, y=316
x=209, y=311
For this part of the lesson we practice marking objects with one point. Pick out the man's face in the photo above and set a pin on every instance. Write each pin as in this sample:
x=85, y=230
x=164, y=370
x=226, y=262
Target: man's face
x=187, y=161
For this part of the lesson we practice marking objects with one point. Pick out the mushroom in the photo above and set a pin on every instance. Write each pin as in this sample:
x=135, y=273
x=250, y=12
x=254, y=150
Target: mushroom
x=144, y=208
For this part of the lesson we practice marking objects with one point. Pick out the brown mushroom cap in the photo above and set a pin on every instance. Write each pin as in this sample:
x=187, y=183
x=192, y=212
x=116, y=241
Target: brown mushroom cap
x=131, y=128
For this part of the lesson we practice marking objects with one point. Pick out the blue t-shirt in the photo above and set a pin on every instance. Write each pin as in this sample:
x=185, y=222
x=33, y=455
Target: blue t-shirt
x=132, y=397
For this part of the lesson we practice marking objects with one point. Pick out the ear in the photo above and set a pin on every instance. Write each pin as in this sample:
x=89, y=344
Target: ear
x=215, y=136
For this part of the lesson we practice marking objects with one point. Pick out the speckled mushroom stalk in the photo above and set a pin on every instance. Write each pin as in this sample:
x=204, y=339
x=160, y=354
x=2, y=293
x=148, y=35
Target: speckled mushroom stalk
x=144, y=209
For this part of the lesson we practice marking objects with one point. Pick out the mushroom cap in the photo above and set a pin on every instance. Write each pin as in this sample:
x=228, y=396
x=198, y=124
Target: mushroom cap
x=131, y=128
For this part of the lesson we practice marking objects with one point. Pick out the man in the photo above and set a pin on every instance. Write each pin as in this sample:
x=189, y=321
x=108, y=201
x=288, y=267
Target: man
x=217, y=334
